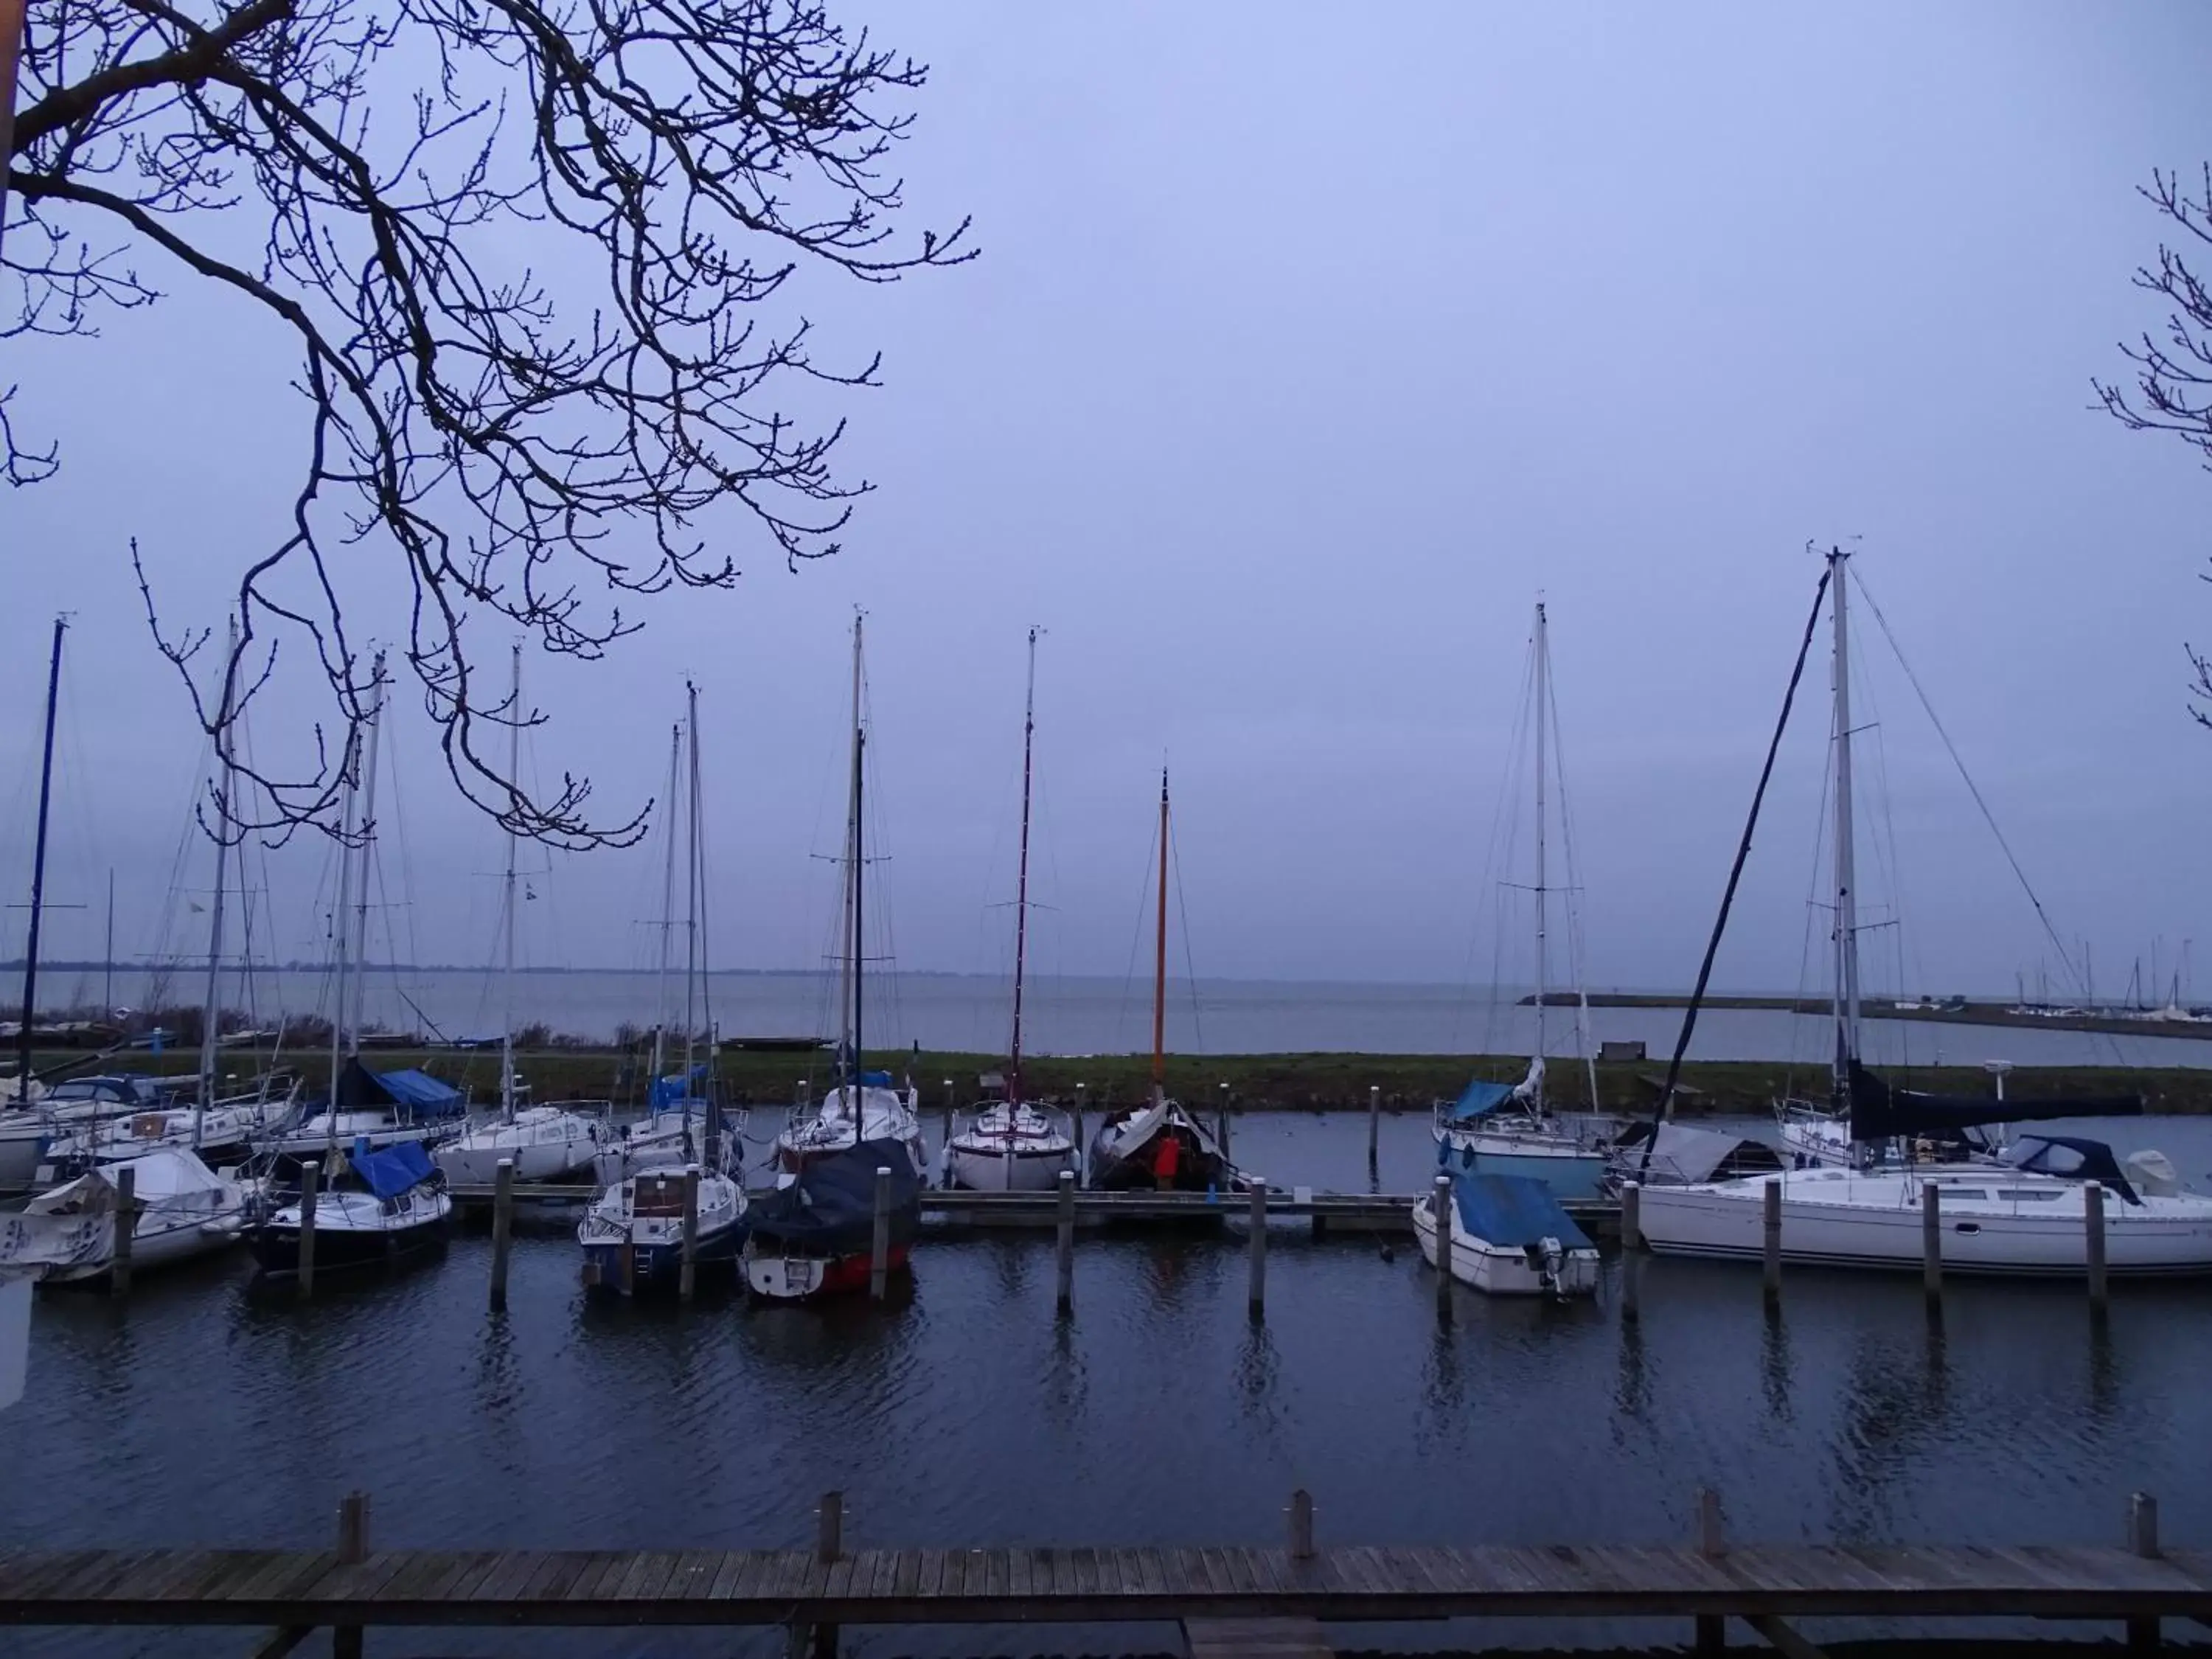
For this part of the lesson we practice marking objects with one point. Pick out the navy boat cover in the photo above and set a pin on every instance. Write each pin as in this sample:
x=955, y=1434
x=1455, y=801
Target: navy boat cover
x=831, y=1207
x=393, y=1170
x=1879, y=1111
x=1514, y=1210
x=1480, y=1100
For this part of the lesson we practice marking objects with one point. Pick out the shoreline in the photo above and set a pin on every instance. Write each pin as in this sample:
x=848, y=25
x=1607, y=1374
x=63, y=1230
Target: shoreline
x=1288, y=1082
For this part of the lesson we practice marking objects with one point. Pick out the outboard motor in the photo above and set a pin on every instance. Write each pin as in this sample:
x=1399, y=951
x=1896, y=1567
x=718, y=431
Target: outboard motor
x=1555, y=1258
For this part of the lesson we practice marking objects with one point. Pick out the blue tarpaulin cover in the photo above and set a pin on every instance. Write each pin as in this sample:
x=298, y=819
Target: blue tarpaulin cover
x=393, y=1170
x=1514, y=1210
x=1479, y=1101
x=418, y=1092
x=675, y=1088
x=875, y=1079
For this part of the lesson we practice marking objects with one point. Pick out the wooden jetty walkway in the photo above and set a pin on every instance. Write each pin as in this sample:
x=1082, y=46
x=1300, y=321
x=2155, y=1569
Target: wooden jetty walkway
x=813, y=1590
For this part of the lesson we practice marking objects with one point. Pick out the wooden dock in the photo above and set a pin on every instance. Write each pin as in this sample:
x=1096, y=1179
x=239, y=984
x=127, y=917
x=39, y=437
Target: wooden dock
x=353, y=1586
x=1352, y=1213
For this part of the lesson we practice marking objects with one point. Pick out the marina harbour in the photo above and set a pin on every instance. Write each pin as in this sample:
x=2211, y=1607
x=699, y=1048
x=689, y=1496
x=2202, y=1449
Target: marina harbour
x=965, y=1409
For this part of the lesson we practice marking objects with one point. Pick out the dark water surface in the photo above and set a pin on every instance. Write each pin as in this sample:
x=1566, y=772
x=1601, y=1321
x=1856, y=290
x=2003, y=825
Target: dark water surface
x=964, y=1411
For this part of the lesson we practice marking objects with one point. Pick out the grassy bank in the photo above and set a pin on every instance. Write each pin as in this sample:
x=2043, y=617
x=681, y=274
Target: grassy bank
x=1310, y=1082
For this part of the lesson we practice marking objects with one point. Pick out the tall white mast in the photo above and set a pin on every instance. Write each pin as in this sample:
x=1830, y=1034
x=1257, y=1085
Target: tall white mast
x=513, y=775
x=1543, y=696
x=365, y=863
x=850, y=977
x=691, y=893
x=211, y=1008
x=1847, y=915
x=667, y=913
x=342, y=924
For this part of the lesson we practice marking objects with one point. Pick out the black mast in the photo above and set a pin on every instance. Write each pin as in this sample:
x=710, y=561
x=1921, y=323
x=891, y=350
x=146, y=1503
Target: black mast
x=39, y=869
x=858, y=1083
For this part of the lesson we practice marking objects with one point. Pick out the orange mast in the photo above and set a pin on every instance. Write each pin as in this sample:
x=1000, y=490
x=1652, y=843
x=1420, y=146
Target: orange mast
x=1160, y=960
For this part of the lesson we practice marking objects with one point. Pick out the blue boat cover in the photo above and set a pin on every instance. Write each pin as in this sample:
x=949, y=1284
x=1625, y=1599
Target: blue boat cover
x=674, y=1089
x=422, y=1091
x=875, y=1079
x=1514, y=1210
x=393, y=1170
x=1478, y=1101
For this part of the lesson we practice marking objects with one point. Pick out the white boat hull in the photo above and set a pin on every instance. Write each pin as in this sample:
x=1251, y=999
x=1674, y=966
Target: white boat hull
x=21, y=1146
x=1498, y=1270
x=546, y=1145
x=2045, y=1237
x=1027, y=1169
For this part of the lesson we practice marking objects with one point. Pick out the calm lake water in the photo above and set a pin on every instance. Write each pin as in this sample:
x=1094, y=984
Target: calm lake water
x=964, y=1411
x=1070, y=1015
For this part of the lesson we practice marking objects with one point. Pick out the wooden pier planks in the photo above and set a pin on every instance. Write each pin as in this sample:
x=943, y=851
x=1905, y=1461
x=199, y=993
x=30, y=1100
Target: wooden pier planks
x=1234, y=1583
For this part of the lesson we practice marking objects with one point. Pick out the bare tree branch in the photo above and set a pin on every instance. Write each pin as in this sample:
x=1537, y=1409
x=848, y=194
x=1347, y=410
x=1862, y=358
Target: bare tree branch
x=2173, y=389
x=536, y=255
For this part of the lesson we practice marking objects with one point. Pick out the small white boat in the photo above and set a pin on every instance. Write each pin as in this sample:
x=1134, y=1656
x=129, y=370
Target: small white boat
x=883, y=1113
x=382, y=1207
x=2024, y=1215
x=1497, y=1128
x=546, y=1143
x=1509, y=1237
x=185, y=1209
x=222, y=1135
x=646, y=1212
x=1010, y=1147
x=77, y=1106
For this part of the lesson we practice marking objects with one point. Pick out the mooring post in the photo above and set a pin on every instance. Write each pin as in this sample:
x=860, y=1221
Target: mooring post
x=311, y=1178
x=1374, y=1122
x=1632, y=1215
x=1066, y=1300
x=502, y=1230
x=879, y=1253
x=948, y=1109
x=626, y=1265
x=1931, y=1241
x=1256, y=1301
x=353, y=1549
x=2142, y=1539
x=1770, y=1224
x=1712, y=1542
x=1224, y=1122
x=1302, y=1542
x=686, y=1266
x=2093, y=1217
x=1441, y=1200
x=820, y=1641
x=1077, y=1137
x=126, y=1230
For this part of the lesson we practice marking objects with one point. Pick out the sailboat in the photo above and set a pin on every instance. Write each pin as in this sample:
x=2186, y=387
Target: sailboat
x=362, y=1107
x=865, y=1105
x=1014, y=1146
x=642, y=1213
x=380, y=1207
x=2018, y=1209
x=184, y=1209
x=23, y=1130
x=1157, y=1145
x=1497, y=1128
x=544, y=1143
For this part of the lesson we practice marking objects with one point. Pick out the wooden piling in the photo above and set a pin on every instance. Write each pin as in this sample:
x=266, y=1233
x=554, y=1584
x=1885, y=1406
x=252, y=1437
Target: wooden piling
x=1632, y=1215
x=1771, y=1232
x=687, y=1270
x=353, y=1549
x=126, y=1230
x=1931, y=1241
x=1301, y=1530
x=626, y=1266
x=1711, y=1543
x=1442, y=1199
x=830, y=1536
x=502, y=1230
x=2142, y=1539
x=1066, y=1300
x=879, y=1253
x=1223, y=1123
x=1256, y=1299
x=311, y=1178
x=1080, y=1153
x=1374, y=1122
x=2092, y=1215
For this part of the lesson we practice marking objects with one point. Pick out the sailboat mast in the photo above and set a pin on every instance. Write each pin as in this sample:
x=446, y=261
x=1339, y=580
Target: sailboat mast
x=39, y=869
x=1022, y=889
x=691, y=894
x=667, y=913
x=1847, y=916
x=1543, y=697
x=211, y=1006
x=848, y=994
x=341, y=925
x=361, y=879
x=506, y=974
x=1160, y=960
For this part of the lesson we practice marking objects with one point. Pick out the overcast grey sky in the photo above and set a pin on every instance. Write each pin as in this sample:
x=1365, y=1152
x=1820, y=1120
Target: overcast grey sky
x=1300, y=358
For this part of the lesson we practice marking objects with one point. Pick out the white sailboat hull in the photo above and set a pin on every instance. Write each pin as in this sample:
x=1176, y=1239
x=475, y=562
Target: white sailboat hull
x=1499, y=1270
x=23, y=1142
x=1837, y=1218
x=544, y=1142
